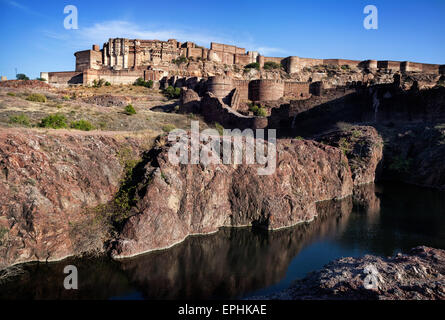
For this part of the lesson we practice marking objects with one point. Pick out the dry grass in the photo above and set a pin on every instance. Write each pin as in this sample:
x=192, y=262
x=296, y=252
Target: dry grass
x=103, y=118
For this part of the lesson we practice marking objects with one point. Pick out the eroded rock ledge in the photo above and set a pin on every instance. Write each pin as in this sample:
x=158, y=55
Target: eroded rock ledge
x=419, y=275
x=180, y=200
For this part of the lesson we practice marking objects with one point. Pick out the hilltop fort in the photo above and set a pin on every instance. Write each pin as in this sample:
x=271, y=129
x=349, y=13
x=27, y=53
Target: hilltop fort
x=122, y=61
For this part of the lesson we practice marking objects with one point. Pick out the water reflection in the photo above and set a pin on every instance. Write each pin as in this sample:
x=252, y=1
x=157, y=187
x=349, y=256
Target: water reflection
x=240, y=262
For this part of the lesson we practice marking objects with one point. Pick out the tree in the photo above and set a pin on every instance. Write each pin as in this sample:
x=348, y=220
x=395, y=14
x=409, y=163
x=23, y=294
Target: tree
x=22, y=76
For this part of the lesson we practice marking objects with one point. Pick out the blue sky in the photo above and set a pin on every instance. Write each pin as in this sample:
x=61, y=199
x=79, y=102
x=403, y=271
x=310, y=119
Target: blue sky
x=33, y=37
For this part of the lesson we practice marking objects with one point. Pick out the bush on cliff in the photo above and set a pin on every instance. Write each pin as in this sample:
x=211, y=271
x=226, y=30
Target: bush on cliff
x=84, y=125
x=21, y=119
x=400, y=165
x=253, y=65
x=269, y=65
x=180, y=60
x=3, y=233
x=261, y=112
x=21, y=76
x=36, y=97
x=130, y=110
x=172, y=93
x=54, y=121
x=258, y=111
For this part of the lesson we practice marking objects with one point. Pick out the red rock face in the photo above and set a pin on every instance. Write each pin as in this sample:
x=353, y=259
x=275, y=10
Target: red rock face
x=364, y=148
x=180, y=200
x=46, y=182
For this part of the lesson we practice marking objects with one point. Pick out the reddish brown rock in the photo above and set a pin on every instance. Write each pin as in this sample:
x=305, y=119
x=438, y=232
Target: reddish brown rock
x=419, y=275
x=180, y=200
x=47, y=180
x=189, y=101
x=364, y=148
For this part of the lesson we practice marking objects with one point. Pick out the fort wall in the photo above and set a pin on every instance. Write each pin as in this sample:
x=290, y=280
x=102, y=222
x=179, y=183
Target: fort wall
x=266, y=90
x=63, y=78
x=220, y=86
x=112, y=76
x=296, y=90
x=133, y=56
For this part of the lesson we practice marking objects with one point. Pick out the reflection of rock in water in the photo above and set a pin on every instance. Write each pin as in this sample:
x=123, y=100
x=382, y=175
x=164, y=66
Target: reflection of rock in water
x=227, y=264
x=231, y=262
x=98, y=278
x=366, y=200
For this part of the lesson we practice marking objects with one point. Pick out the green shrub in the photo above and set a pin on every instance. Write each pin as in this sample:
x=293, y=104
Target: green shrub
x=254, y=108
x=345, y=67
x=66, y=97
x=41, y=79
x=21, y=119
x=257, y=110
x=180, y=60
x=107, y=84
x=400, y=164
x=141, y=82
x=261, y=112
x=172, y=93
x=220, y=128
x=54, y=121
x=84, y=125
x=11, y=94
x=269, y=65
x=345, y=146
x=36, y=97
x=3, y=233
x=21, y=76
x=168, y=127
x=253, y=65
x=130, y=109
x=98, y=84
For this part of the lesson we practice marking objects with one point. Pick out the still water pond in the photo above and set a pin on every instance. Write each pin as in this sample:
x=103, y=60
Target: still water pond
x=238, y=263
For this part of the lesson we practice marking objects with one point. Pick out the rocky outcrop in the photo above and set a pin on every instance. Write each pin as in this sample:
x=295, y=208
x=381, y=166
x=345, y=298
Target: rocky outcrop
x=189, y=101
x=214, y=109
x=419, y=275
x=180, y=200
x=47, y=180
x=364, y=148
x=414, y=154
